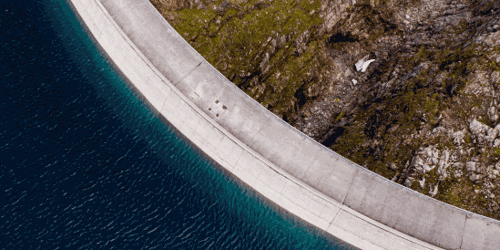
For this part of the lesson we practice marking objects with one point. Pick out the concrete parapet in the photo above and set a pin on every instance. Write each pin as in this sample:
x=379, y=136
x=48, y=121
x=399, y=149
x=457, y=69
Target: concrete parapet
x=284, y=165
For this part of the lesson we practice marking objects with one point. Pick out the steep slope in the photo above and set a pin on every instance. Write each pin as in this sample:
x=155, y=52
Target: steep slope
x=425, y=111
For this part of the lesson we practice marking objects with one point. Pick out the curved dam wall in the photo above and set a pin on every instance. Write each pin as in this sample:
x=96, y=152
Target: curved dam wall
x=284, y=165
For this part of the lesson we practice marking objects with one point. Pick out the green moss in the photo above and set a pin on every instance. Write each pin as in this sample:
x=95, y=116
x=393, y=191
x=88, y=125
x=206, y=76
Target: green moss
x=353, y=139
x=192, y=20
x=339, y=116
x=451, y=192
x=423, y=54
x=237, y=44
x=237, y=40
x=431, y=105
x=496, y=152
x=432, y=176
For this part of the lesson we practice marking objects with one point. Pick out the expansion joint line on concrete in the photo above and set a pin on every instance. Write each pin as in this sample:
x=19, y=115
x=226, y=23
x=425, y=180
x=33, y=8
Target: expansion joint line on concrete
x=463, y=232
x=117, y=12
x=187, y=74
x=350, y=186
x=346, y=189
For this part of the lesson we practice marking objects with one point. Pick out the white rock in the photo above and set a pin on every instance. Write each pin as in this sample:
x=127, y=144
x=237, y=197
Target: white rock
x=422, y=183
x=426, y=159
x=408, y=182
x=477, y=127
x=471, y=166
x=354, y=82
x=443, y=164
x=482, y=132
x=458, y=137
x=438, y=130
x=496, y=143
x=489, y=171
x=363, y=64
x=492, y=134
x=493, y=114
x=476, y=177
x=359, y=64
x=497, y=128
x=493, y=39
x=433, y=192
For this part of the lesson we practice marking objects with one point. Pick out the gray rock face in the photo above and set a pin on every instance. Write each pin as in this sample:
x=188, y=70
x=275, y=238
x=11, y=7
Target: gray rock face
x=476, y=178
x=443, y=165
x=333, y=11
x=483, y=133
x=496, y=143
x=477, y=172
x=409, y=181
x=433, y=190
x=430, y=98
x=426, y=160
x=457, y=173
x=458, y=137
x=493, y=114
x=471, y=166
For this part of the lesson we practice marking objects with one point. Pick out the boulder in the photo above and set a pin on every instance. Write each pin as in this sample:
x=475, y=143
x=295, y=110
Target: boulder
x=493, y=114
x=483, y=133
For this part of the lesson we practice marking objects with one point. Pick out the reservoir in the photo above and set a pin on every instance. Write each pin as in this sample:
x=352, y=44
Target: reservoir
x=87, y=165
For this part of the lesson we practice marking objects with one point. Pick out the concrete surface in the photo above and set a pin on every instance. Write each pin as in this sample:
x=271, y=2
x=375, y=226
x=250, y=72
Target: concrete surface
x=287, y=167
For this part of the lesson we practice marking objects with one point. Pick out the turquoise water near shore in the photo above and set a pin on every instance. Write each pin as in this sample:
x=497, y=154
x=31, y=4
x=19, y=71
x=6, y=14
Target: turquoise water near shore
x=87, y=165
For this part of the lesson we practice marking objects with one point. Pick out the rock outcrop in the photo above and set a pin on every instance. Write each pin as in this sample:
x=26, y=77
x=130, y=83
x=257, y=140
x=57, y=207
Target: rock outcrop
x=420, y=109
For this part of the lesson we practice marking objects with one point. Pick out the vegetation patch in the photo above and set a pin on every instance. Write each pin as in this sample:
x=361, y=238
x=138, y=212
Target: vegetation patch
x=432, y=76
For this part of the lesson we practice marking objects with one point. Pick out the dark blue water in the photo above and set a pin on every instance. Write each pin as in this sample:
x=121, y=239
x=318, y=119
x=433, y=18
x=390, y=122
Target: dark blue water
x=84, y=164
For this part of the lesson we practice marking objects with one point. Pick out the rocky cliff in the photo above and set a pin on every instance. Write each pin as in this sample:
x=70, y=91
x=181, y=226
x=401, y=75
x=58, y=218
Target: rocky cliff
x=407, y=89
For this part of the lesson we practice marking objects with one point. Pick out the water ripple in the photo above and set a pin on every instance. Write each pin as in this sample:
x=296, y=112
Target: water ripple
x=86, y=165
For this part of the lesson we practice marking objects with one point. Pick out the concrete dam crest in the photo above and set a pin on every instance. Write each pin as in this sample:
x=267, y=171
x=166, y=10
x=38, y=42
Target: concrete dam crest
x=281, y=163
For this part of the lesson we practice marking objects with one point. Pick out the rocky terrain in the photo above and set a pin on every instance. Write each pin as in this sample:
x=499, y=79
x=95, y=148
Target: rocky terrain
x=408, y=89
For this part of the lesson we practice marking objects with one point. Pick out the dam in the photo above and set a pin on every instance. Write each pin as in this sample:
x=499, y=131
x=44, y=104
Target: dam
x=285, y=166
x=88, y=165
